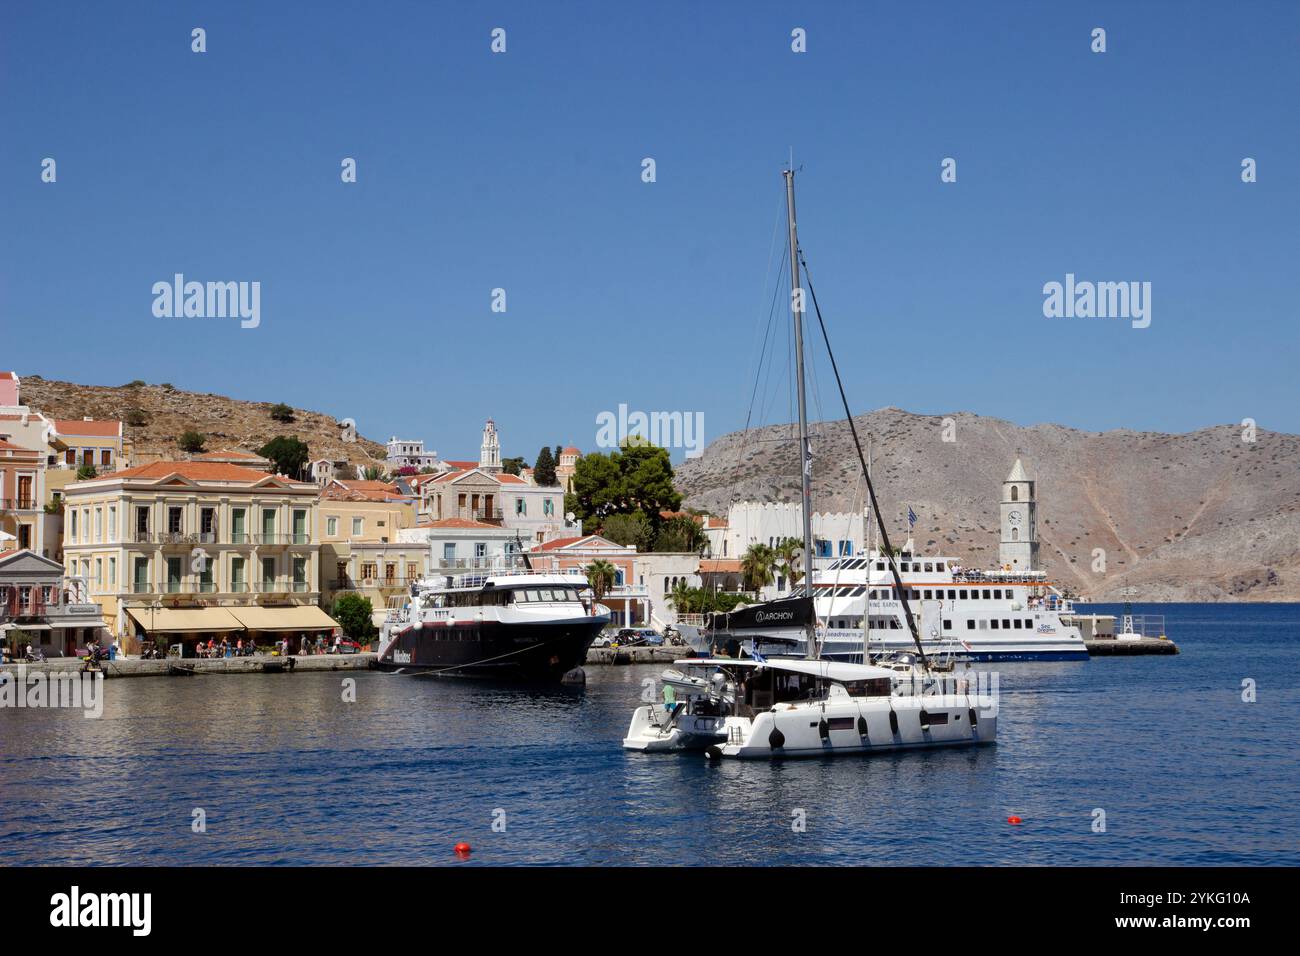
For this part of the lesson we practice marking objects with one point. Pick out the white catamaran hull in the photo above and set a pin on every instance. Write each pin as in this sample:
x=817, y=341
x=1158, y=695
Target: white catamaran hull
x=653, y=730
x=843, y=725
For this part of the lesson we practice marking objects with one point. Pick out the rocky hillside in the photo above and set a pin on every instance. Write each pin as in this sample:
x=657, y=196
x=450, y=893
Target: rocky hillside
x=165, y=412
x=1203, y=516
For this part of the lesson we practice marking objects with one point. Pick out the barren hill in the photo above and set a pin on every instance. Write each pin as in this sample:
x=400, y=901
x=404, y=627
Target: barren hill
x=167, y=412
x=1202, y=516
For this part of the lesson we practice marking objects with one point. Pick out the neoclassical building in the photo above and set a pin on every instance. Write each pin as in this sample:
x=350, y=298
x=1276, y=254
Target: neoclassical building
x=187, y=550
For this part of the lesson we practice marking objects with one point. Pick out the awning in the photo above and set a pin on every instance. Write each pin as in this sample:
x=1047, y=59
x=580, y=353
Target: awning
x=306, y=617
x=184, y=620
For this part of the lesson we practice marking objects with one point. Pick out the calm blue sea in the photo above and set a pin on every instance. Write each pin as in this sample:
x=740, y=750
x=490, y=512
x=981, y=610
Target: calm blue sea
x=287, y=773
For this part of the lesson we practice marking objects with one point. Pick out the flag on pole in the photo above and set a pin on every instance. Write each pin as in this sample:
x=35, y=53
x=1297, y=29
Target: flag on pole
x=911, y=517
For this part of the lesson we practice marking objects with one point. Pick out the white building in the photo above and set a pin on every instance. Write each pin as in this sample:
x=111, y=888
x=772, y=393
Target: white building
x=836, y=535
x=463, y=543
x=410, y=454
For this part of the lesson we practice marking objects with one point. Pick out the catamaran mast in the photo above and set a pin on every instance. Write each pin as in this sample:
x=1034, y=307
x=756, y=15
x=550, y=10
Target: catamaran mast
x=805, y=449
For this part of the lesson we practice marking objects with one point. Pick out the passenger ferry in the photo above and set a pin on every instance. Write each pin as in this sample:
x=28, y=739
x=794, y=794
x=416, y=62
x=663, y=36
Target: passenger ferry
x=511, y=624
x=976, y=615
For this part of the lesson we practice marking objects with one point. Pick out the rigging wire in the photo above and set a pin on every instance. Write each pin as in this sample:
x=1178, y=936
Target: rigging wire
x=871, y=490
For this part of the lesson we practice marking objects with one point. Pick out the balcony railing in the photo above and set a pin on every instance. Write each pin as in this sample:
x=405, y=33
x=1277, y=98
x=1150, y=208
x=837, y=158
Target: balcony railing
x=18, y=504
x=211, y=537
x=298, y=537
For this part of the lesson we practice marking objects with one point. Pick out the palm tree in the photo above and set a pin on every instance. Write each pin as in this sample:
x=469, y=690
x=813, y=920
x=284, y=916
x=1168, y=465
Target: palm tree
x=684, y=598
x=789, y=551
x=756, y=566
x=601, y=575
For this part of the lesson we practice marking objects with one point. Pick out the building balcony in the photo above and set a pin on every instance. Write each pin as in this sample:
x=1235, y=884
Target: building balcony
x=268, y=539
x=25, y=503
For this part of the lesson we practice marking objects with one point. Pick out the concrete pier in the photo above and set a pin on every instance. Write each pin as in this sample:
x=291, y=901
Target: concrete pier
x=185, y=666
x=1145, y=645
x=636, y=655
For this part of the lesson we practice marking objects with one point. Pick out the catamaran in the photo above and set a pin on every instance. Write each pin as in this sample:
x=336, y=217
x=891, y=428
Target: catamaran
x=762, y=707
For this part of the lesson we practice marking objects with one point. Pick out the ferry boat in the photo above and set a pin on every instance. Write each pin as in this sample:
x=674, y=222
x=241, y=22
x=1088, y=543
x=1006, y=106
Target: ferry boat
x=756, y=708
x=975, y=615
x=511, y=624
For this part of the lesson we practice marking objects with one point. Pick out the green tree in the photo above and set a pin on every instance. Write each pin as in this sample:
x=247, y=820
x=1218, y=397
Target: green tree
x=86, y=472
x=136, y=418
x=789, y=552
x=681, y=533
x=544, y=468
x=288, y=454
x=372, y=473
x=756, y=566
x=191, y=442
x=511, y=466
x=601, y=575
x=355, y=615
x=637, y=478
x=282, y=412
x=628, y=529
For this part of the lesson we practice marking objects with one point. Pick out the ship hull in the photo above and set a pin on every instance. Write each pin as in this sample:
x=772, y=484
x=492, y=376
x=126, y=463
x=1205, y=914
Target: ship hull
x=503, y=651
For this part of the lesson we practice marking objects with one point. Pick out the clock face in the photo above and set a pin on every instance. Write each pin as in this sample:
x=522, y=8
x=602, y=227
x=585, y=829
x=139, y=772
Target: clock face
x=1014, y=517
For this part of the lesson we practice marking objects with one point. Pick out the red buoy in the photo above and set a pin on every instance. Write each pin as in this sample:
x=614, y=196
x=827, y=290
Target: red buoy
x=462, y=849
x=1014, y=821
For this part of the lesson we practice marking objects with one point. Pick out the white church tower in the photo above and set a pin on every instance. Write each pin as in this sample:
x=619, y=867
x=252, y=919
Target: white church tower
x=489, y=456
x=1018, y=549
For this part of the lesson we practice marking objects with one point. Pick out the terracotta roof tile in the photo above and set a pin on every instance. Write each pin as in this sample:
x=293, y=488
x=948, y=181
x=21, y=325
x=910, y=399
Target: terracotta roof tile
x=85, y=429
x=195, y=470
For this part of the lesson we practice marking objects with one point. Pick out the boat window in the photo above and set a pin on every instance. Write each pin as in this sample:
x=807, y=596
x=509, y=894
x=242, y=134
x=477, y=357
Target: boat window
x=970, y=624
x=963, y=594
x=986, y=594
x=938, y=565
x=534, y=594
x=857, y=592
x=994, y=624
x=880, y=565
x=947, y=624
x=1006, y=624
x=952, y=594
x=929, y=566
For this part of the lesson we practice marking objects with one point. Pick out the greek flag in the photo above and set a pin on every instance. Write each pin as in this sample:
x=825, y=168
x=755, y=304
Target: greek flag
x=911, y=517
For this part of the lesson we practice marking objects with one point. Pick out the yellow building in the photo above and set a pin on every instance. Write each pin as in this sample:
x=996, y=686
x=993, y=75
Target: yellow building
x=189, y=550
x=357, y=524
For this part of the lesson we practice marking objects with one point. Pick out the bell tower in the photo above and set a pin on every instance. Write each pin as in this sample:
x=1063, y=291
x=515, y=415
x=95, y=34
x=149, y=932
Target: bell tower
x=1018, y=548
x=489, y=456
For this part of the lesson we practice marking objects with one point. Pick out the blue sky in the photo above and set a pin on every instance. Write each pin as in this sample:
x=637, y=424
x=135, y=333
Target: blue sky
x=523, y=171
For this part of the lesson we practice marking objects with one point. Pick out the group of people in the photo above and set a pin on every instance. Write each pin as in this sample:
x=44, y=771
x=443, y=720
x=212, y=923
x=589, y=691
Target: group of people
x=240, y=648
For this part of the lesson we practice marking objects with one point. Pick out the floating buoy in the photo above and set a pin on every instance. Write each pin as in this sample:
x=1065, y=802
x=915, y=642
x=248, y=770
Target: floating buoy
x=715, y=753
x=862, y=726
x=893, y=722
x=1014, y=821
x=824, y=729
x=463, y=849
x=974, y=720
x=776, y=739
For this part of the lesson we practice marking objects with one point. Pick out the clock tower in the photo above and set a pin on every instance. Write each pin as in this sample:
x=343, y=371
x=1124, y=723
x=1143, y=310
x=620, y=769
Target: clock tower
x=1018, y=549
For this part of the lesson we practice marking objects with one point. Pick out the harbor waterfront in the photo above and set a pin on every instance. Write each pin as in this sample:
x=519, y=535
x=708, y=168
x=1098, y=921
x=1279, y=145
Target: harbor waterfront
x=286, y=771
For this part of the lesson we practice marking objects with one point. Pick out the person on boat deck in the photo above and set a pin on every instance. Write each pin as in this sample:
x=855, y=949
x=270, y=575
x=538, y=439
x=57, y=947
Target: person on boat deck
x=670, y=697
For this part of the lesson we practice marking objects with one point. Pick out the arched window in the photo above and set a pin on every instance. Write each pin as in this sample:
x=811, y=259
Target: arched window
x=1015, y=493
x=1015, y=534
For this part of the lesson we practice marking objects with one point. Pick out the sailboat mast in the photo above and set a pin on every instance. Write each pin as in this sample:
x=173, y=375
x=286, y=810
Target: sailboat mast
x=805, y=449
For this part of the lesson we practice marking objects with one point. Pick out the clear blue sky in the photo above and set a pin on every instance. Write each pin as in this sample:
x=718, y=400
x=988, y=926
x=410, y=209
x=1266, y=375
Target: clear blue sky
x=522, y=171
